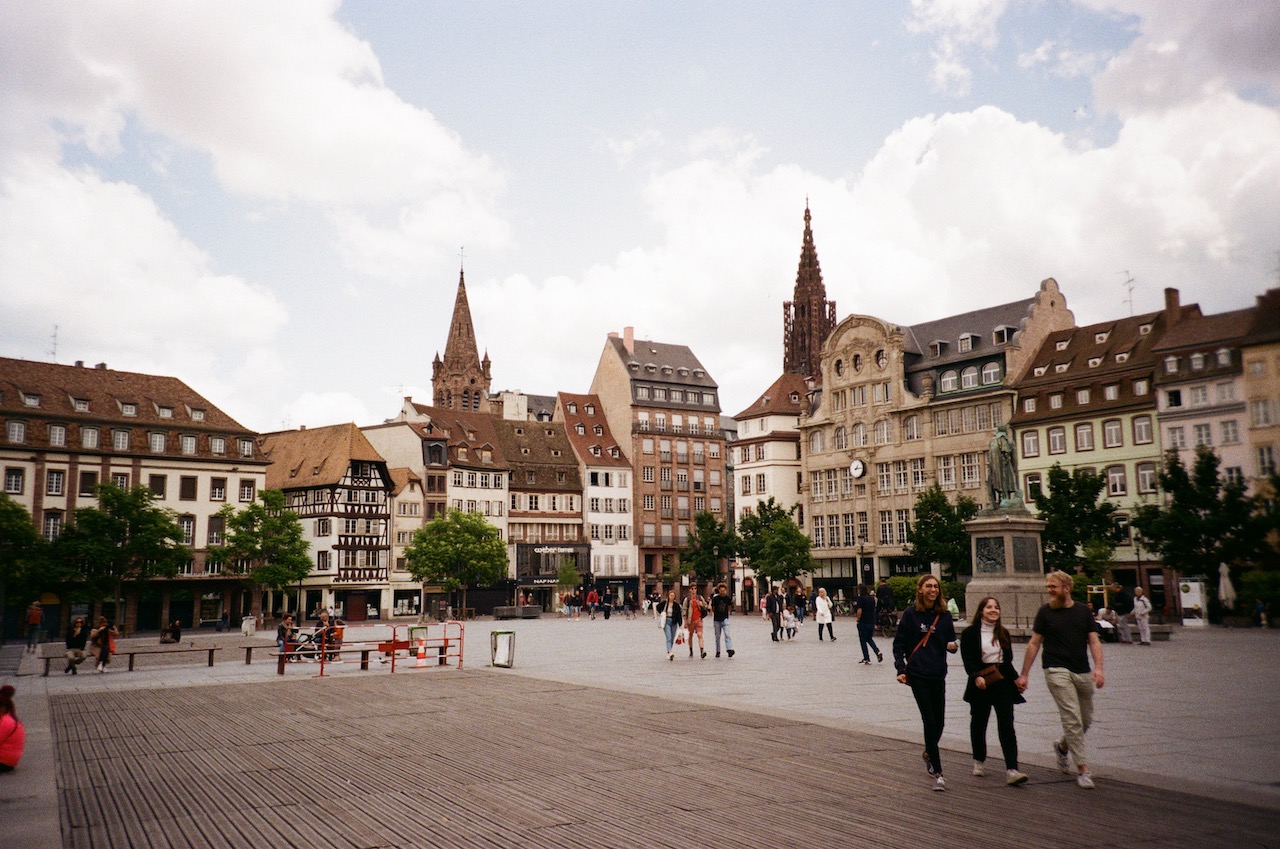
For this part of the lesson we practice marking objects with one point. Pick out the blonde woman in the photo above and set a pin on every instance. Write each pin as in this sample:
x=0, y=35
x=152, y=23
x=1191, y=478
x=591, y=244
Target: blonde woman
x=822, y=613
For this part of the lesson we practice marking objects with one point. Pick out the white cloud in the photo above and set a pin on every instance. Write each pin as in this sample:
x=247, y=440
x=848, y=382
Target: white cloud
x=1061, y=61
x=957, y=25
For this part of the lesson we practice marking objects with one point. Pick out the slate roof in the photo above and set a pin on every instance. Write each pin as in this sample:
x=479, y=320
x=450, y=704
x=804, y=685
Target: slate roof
x=777, y=399
x=662, y=354
x=541, y=448
x=313, y=457
x=582, y=443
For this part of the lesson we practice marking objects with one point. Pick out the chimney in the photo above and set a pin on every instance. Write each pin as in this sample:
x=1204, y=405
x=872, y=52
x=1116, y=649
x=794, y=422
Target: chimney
x=79, y=363
x=1172, y=307
x=101, y=366
x=629, y=339
x=302, y=427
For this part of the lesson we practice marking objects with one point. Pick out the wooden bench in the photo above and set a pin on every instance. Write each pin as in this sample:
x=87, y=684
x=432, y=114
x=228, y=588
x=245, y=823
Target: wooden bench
x=132, y=653
x=282, y=657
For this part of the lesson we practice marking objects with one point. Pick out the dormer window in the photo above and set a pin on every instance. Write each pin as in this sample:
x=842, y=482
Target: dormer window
x=128, y=409
x=682, y=371
x=699, y=373
x=795, y=397
x=1122, y=357
x=595, y=450
x=1001, y=335
x=1224, y=357
x=81, y=405
x=965, y=342
x=1100, y=338
x=1040, y=370
x=573, y=408
x=937, y=347
x=591, y=409
x=164, y=412
x=1061, y=367
x=462, y=452
x=1171, y=365
x=1144, y=330
x=30, y=399
x=614, y=452
x=197, y=415
x=580, y=429
x=599, y=431
x=666, y=369
x=1082, y=396
x=1055, y=402
x=1061, y=345
x=1197, y=362
x=1028, y=405
x=1094, y=362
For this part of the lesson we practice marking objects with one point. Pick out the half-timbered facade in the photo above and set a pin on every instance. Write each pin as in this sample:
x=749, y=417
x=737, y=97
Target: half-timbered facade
x=340, y=487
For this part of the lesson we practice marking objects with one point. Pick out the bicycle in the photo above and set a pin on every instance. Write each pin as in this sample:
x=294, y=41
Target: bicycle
x=886, y=623
x=841, y=608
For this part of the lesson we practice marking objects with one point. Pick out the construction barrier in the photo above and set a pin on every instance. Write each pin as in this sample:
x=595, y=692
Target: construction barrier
x=442, y=642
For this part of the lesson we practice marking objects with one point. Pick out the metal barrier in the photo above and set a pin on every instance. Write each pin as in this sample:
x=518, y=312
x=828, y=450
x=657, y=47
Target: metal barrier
x=443, y=640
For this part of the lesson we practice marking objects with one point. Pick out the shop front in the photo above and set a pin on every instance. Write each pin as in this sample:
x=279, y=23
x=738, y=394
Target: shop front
x=538, y=567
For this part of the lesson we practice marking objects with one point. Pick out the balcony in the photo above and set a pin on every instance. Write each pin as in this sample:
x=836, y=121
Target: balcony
x=361, y=574
x=683, y=486
x=665, y=485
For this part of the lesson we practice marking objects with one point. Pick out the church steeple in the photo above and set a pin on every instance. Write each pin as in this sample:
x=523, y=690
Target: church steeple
x=809, y=317
x=460, y=381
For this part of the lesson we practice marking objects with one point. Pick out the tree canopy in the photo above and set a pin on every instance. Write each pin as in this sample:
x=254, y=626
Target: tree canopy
x=125, y=538
x=1204, y=520
x=457, y=550
x=1075, y=518
x=265, y=543
x=937, y=535
x=773, y=543
x=711, y=543
x=22, y=551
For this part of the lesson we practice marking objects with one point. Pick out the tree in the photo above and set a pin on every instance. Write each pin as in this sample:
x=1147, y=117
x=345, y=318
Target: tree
x=773, y=543
x=1204, y=521
x=265, y=543
x=22, y=552
x=711, y=541
x=457, y=550
x=937, y=535
x=1075, y=519
x=126, y=538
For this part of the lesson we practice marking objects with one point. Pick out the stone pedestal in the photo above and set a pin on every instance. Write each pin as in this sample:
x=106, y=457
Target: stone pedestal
x=1008, y=563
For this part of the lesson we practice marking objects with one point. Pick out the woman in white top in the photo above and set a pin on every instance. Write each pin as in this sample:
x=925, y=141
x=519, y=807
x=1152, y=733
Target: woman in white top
x=983, y=645
x=822, y=613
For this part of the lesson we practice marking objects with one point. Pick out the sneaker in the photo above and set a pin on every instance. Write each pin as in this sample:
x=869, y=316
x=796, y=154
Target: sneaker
x=979, y=770
x=729, y=652
x=1085, y=780
x=928, y=765
x=1064, y=759
x=879, y=658
x=1013, y=778
x=939, y=783
x=717, y=654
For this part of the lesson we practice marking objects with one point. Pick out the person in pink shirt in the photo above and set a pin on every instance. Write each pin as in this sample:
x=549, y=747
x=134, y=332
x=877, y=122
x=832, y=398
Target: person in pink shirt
x=13, y=737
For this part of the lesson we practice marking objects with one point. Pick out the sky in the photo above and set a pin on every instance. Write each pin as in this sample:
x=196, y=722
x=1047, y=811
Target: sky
x=273, y=201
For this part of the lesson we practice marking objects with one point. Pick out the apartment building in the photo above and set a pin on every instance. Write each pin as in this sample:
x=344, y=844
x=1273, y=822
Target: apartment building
x=659, y=396
x=900, y=407
x=67, y=428
x=1260, y=352
x=605, y=472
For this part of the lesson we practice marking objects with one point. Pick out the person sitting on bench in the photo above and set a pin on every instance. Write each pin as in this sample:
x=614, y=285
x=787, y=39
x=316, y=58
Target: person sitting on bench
x=172, y=634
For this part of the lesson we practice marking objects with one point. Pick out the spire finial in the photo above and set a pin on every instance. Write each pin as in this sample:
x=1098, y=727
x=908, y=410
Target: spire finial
x=462, y=258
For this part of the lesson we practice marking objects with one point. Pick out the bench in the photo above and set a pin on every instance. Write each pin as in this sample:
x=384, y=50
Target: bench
x=282, y=657
x=132, y=653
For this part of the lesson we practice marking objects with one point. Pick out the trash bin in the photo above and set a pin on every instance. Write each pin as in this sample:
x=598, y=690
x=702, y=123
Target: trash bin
x=502, y=648
x=248, y=626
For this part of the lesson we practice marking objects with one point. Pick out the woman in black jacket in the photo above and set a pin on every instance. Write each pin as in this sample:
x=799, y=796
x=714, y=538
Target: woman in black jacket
x=925, y=635
x=983, y=645
x=77, y=640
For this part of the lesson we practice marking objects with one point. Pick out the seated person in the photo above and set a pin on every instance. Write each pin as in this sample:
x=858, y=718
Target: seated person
x=286, y=634
x=326, y=635
x=172, y=634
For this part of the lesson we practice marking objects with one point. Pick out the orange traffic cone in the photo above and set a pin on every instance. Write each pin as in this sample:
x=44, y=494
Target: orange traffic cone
x=422, y=655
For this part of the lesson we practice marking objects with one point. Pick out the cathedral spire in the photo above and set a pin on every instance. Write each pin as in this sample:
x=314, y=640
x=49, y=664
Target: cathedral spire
x=809, y=316
x=459, y=381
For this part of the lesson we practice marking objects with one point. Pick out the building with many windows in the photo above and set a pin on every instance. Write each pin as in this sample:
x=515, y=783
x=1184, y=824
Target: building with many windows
x=605, y=472
x=68, y=428
x=340, y=487
x=1260, y=351
x=900, y=408
x=660, y=397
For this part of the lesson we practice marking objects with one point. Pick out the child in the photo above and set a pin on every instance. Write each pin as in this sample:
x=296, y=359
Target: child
x=789, y=621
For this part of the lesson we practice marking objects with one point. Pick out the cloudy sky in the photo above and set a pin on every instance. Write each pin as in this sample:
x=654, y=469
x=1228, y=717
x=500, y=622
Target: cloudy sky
x=271, y=201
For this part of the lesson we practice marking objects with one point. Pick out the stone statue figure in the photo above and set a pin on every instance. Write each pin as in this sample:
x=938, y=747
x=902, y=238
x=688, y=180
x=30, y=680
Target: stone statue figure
x=1002, y=473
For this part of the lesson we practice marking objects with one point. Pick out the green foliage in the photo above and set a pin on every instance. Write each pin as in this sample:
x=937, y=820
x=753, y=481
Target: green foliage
x=568, y=576
x=937, y=535
x=1075, y=518
x=1098, y=559
x=23, y=552
x=1260, y=584
x=266, y=541
x=125, y=538
x=458, y=550
x=904, y=591
x=1204, y=520
x=709, y=546
x=773, y=543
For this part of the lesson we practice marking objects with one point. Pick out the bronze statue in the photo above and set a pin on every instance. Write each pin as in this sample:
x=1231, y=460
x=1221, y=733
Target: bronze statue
x=1002, y=472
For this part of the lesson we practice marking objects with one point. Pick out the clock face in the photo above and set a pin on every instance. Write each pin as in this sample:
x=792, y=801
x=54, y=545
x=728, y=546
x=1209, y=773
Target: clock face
x=857, y=468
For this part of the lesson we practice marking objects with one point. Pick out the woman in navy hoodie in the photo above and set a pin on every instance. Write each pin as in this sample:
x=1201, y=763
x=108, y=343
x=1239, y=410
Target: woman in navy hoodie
x=925, y=634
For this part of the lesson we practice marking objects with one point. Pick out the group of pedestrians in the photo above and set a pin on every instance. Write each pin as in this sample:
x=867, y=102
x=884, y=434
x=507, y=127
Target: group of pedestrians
x=1063, y=630
x=682, y=622
x=83, y=642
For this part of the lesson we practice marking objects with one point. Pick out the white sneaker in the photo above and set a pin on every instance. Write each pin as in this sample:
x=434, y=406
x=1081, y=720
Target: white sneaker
x=1085, y=780
x=979, y=769
x=1013, y=778
x=939, y=783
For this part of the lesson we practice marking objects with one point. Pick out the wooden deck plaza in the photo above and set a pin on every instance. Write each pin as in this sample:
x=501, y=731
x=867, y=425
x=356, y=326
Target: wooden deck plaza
x=478, y=759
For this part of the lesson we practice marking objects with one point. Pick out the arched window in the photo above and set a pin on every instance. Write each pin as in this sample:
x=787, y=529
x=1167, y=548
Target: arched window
x=990, y=374
x=859, y=435
x=842, y=438
x=948, y=382
x=911, y=428
x=969, y=377
x=815, y=442
x=884, y=432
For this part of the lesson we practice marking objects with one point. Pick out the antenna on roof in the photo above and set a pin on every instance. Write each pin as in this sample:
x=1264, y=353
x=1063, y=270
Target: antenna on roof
x=53, y=351
x=1128, y=287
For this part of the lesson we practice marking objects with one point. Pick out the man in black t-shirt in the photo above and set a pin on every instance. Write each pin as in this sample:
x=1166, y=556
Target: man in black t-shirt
x=1122, y=604
x=721, y=605
x=1066, y=631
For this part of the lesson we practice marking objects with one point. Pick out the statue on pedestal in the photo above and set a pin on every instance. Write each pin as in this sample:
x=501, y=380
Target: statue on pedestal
x=1002, y=471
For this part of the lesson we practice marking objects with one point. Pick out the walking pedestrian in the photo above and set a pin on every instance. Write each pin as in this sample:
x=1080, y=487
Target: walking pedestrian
x=802, y=602
x=1066, y=630
x=925, y=634
x=593, y=601
x=865, y=612
x=987, y=651
x=774, y=604
x=1142, y=615
x=822, y=614
x=35, y=615
x=721, y=605
x=1122, y=607
x=695, y=608
x=670, y=615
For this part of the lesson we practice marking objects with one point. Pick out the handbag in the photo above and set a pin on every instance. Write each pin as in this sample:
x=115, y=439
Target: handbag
x=682, y=636
x=991, y=674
